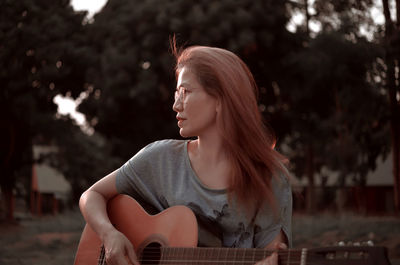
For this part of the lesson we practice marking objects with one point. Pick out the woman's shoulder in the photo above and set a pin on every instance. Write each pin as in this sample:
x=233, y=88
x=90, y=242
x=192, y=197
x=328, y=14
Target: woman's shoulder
x=162, y=150
x=164, y=146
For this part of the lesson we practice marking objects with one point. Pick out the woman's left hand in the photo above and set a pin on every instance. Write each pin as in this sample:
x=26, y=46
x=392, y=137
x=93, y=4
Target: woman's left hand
x=273, y=258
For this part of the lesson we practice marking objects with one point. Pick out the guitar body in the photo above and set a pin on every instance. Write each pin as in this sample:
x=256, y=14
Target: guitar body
x=170, y=237
x=174, y=227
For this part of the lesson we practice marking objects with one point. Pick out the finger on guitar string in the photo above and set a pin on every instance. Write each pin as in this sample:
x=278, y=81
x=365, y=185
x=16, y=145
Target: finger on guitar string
x=118, y=249
x=131, y=255
x=270, y=260
x=273, y=258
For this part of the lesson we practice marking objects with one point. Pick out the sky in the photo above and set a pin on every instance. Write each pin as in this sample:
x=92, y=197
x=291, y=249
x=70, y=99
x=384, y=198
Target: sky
x=67, y=105
x=92, y=6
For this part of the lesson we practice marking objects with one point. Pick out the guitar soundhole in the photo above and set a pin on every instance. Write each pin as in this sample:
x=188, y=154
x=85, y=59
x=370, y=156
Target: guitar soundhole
x=151, y=254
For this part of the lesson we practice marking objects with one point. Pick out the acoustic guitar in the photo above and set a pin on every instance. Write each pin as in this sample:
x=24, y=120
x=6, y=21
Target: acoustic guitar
x=170, y=237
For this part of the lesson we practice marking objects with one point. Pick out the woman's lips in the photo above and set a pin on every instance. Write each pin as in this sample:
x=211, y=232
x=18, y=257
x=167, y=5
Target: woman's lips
x=180, y=121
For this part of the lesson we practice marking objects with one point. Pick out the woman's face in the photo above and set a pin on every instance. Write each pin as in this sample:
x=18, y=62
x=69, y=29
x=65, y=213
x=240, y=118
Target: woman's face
x=196, y=110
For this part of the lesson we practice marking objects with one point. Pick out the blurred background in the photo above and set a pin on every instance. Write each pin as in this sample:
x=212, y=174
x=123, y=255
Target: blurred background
x=84, y=85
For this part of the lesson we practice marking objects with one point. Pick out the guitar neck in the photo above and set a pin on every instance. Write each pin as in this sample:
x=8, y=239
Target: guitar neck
x=354, y=255
x=227, y=255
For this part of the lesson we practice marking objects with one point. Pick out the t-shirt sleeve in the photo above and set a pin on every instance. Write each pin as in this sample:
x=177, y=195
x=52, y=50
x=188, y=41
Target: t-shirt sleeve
x=138, y=177
x=268, y=225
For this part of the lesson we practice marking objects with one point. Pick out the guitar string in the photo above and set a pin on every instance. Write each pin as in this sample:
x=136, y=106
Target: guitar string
x=205, y=249
x=156, y=258
x=161, y=262
x=155, y=255
x=259, y=252
x=282, y=258
x=102, y=256
x=257, y=255
x=189, y=261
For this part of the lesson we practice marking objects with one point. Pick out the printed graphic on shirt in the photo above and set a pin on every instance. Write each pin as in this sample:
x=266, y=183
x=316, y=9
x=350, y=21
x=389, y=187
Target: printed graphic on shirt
x=241, y=235
x=209, y=223
x=223, y=213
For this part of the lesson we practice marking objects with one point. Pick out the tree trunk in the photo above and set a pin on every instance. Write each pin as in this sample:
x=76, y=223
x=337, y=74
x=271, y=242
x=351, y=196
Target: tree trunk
x=307, y=18
x=391, y=47
x=310, y=196
x=398, y=13
x=9, y=199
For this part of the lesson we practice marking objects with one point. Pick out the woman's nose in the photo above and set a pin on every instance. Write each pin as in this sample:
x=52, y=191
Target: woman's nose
x=178, y=105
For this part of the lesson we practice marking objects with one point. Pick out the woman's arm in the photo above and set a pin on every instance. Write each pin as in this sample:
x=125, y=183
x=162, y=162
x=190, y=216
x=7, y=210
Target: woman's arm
x=93, y=205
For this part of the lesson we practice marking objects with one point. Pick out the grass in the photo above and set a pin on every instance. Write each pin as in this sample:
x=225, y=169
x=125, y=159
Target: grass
x=329, y=229
x=54, y=239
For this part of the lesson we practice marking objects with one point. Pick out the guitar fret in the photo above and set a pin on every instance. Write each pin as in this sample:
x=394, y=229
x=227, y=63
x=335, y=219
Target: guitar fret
x=182, y=254
x=303, y=256
x=185, y=252
x=199, y=256
x=206, y=255
x=247, y=256
x=189, y=255
x=175, y=254
x=243, y=256
x=192, y=251
x=234, y=253
x=162, y=256
x=168, y=257
x=171, y=254
x=213, y=254
x=226, y=255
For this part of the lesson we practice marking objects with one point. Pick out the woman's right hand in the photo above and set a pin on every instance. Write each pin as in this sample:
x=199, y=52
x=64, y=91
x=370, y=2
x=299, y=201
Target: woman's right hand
x=93, y=204
x=118, y=249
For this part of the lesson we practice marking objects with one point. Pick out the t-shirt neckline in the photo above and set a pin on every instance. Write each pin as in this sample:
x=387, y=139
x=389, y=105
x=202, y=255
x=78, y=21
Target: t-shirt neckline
x=193, y=173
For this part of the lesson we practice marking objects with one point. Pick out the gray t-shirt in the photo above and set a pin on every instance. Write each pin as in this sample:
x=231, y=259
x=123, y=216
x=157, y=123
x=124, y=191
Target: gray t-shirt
x=161, y=176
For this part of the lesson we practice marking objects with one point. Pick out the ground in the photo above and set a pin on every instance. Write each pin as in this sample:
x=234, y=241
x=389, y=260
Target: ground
x=54, y=239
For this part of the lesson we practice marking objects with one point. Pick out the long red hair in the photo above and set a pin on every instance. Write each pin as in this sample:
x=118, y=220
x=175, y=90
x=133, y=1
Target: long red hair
x=249, y=143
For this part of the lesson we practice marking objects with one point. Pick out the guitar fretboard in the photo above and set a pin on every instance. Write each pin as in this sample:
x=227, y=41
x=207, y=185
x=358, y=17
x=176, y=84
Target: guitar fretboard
x=209, y=256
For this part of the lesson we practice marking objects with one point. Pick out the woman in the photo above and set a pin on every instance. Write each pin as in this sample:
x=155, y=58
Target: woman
x=230, y=175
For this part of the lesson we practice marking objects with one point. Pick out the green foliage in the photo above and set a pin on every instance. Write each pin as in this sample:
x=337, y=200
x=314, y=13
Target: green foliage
x=134, y=78
x=337, y=105
x=83, y=159
x=321, y=86
x=41, y=55
x=322, y=94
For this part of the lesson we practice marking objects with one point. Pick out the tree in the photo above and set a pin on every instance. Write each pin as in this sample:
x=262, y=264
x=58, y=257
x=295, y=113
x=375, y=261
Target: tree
x=391, y=43
x=337, y=109
x=40, y=57
x=82, y=158
x=133, y=81
x=321, y=84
